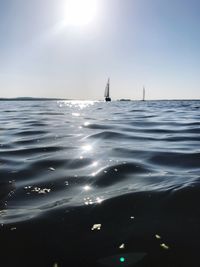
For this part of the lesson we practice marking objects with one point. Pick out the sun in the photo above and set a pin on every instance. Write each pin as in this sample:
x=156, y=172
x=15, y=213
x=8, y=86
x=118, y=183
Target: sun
x=80, y=12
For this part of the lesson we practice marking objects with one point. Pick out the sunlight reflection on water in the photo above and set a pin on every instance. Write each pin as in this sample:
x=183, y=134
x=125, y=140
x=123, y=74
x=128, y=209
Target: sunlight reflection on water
x=87, y=148
x=78, y=103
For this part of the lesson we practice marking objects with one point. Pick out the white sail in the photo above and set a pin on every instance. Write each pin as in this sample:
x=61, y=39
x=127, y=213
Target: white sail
x=107, y=89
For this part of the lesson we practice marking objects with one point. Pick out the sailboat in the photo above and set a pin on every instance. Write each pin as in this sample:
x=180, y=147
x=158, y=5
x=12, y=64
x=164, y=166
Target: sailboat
x=107, y=91
x=143, y=98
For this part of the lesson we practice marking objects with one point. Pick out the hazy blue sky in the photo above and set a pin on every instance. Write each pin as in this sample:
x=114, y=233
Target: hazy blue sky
x=155, y=43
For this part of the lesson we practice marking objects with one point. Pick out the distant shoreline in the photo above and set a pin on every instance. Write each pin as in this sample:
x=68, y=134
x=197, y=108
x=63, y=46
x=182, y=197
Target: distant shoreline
x=32, y=99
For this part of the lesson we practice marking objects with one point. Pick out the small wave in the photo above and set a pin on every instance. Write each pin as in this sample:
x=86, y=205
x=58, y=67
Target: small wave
x=30, y=132
x=177, y=160
x=117, y=173
x=64, y=163
x=97, y=126
x=109, y=135
x=31, y=151
x=183, y=138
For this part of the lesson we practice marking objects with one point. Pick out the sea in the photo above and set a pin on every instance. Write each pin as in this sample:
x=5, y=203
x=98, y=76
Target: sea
x=90, y=183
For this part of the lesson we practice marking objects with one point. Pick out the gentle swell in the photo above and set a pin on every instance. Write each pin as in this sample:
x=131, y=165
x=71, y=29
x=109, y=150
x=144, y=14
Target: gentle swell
x=130, y=168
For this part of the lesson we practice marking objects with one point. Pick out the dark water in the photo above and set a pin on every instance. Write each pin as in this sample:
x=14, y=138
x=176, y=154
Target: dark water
x=99, y=184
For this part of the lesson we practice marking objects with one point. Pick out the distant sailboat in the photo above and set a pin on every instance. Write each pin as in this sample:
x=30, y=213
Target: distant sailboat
x=143, y=97
x=107, y=91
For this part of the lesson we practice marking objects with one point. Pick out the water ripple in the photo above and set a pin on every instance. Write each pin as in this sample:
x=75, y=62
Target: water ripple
x=103, y=181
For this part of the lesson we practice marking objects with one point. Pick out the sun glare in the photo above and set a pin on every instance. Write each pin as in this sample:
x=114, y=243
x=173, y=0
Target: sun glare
x=80, y=12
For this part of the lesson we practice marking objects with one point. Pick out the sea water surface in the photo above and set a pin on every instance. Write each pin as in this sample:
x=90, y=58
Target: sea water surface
x=85, y=183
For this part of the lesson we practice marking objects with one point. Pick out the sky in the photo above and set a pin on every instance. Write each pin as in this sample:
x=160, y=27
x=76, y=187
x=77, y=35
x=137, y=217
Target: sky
x=151, y=43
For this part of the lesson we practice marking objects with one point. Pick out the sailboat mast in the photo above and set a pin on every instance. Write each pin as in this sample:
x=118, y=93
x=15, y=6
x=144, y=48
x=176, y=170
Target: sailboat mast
x=108, y=86
x=143, y=94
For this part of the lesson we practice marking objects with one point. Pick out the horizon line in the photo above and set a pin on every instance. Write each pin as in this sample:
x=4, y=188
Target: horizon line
x=29, y=98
